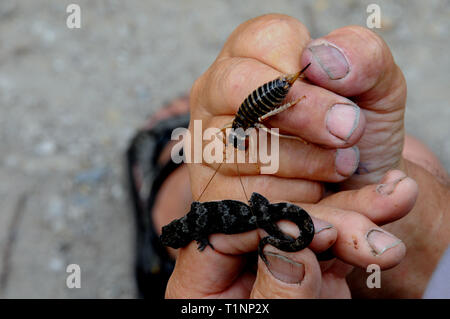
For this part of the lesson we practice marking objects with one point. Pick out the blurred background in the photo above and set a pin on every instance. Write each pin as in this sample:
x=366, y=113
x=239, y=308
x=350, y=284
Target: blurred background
x=70, y=100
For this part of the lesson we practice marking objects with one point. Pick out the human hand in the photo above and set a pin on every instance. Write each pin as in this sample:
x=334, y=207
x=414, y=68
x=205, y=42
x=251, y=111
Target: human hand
x=227, y=272
x=356, y=63
x=265, y=47
x=258, y=51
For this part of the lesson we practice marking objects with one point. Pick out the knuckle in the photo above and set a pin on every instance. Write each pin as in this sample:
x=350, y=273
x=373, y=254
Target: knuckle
x=262, y=34
x=204, y=84
x=275, y=26
x=232, y=78
x=235, y=75
x=196, y=86
x=374, y=45
x=196, y=90
x=284, y=22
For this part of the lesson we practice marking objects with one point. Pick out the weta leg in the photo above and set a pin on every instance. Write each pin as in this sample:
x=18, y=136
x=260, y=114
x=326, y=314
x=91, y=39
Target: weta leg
x=280, y=109
x=291, y=137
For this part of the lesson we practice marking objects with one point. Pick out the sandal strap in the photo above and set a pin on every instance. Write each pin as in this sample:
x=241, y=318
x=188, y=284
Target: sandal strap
x=153, y=264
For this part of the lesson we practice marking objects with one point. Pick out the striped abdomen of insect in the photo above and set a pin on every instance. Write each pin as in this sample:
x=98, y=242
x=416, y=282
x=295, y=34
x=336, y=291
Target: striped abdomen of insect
x=265, y=101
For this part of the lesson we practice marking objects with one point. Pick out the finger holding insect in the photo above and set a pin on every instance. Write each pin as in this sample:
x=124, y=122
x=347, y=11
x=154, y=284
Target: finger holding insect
x=320, y=117
x=292, y=159
x=268, y=46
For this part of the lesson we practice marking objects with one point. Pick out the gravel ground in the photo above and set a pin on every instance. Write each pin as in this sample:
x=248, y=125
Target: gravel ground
x=71, y=99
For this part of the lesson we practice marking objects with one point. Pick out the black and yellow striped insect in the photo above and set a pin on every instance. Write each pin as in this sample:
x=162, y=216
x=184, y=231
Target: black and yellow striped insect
x=233, y=217
x=262, y=103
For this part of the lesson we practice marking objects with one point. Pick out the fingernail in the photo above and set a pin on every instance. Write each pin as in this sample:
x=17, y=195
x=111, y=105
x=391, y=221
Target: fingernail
x=347, y=160
x=389, y=188
x=320, y=225
x=380, y=241
x=392, y=176
x=331, y=59
x=342, y=120
x=284, y=269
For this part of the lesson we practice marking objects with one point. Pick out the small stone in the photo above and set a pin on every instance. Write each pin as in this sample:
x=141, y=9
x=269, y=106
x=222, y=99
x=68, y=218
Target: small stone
x=55, y=207
x=56, y=264
x=11, y=161
x=92, y=176
x=7, y=9
x=117, y=192
x=45, y=148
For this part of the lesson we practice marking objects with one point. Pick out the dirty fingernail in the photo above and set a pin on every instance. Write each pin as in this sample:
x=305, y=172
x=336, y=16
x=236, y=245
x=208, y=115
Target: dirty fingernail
x=347, y=160
x=389, y=188
x=342, y=120
x=392, y=176
x=331, y=59
x=320, y=225
x=380, y=241
x=284, y=269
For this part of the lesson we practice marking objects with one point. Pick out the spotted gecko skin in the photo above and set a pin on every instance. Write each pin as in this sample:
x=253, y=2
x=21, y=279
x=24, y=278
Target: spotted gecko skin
x=234, y=217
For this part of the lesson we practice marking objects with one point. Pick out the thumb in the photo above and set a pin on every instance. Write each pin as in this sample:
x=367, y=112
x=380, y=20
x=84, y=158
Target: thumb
x=355, y=62
x=287, y=275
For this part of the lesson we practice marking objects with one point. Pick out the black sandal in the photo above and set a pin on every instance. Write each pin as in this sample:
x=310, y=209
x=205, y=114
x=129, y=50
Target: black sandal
x=153, y=264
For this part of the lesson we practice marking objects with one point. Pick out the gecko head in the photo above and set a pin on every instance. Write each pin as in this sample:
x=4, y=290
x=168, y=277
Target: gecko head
x=258, y=202
x=175, y=234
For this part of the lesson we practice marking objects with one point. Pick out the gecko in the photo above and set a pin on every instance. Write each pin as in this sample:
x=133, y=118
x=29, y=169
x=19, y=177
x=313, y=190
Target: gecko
x=234, y=217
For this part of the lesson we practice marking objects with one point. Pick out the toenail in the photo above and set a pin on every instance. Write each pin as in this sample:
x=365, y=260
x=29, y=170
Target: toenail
x=380, y=241
x=331, y=59
x=342, y=120
x=347, y=160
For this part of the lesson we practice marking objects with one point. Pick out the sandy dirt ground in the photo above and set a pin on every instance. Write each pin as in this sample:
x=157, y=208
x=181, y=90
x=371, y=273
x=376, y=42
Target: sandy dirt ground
x=71, y=99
